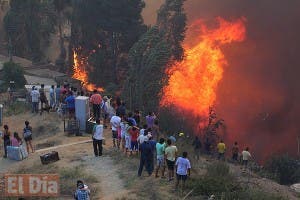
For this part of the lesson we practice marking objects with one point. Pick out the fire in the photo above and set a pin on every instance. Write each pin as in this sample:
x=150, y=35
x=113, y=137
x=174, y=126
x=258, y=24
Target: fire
x=193, y=82
x=80, y=72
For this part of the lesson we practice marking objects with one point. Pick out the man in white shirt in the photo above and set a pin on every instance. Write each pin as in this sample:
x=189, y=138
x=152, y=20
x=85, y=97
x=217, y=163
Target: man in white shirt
x=35, y=98
x=183, y=169
x=246, y=157
x=115, y=125
x=97, y=138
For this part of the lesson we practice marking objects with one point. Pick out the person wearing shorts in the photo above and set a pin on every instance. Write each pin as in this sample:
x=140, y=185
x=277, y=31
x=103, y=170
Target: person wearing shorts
x=170, y=156
x=134, y=132
x=115, y=125
x=183, y=169
x=160, y=161
x=27, y=134
x=123, y=127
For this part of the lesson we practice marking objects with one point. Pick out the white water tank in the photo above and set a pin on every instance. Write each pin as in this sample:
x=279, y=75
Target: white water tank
x=82, y=111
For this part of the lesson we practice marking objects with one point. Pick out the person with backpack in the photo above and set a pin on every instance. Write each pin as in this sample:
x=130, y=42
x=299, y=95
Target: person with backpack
x=27, y=135
x=82, y=192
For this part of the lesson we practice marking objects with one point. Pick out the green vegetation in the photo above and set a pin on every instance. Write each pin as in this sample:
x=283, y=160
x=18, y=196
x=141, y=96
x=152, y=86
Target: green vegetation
x=15, y=108
x=68, y=176
x=13, y=72
x=218, y=181
x=284, y=169
x=28, y=26
x=151, y=55
x=104, y=31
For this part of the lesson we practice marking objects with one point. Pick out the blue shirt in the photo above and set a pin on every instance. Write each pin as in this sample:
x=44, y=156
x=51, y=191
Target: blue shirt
x=82, y=194
x=132, y=120
x=70, y=100
x=57, y=93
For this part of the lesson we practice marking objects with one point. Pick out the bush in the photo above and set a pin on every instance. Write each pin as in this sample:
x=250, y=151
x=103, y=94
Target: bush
x=13, y=72
x=218, y=181
x=285, y=169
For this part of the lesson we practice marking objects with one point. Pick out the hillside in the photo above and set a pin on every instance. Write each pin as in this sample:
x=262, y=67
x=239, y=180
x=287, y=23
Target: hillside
x=112, y=176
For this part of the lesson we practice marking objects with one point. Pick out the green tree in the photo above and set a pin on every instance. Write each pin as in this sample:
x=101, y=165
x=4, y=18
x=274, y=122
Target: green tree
x=285, y=169
x=148, y=59
x=171, y=20
x=13, y=72
x=106, y=27
x=28, y=26
x=151, y=55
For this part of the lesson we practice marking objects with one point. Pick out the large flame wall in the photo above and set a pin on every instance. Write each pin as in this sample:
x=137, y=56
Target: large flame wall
x=259, y=93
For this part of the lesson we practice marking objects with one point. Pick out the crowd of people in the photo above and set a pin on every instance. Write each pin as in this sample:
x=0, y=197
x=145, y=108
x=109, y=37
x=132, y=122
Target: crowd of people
x=135, y=135
x=132, y=134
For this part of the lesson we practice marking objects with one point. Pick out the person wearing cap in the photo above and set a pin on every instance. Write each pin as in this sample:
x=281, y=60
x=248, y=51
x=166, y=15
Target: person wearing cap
x=82, y=192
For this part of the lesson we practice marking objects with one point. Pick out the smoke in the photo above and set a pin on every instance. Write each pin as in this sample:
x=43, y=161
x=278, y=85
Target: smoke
x=259, y=93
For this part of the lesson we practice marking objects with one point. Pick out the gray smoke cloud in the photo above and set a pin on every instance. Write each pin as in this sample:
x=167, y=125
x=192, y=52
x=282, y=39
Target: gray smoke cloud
x=259, y=95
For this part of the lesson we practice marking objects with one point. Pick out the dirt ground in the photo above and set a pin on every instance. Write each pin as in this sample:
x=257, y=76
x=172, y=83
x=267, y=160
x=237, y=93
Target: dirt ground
x=116, y=173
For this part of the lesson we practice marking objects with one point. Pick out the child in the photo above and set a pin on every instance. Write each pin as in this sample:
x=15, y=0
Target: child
x=16, y=141
x=183, y=169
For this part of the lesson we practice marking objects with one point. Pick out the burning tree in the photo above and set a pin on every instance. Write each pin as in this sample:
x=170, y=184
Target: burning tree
x=150, y=56
x=104, y=31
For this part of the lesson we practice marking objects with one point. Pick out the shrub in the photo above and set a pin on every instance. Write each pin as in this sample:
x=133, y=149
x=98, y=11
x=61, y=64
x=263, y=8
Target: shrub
x=284, y=168
x=13, y=72
x=218, y=181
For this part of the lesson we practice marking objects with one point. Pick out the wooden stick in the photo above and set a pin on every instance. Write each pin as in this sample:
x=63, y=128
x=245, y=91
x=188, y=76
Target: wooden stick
x=190, y=192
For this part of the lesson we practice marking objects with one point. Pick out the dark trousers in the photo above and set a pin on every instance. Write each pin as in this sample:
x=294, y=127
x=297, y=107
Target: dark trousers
x=96, y=111
x=97, y=144
x=147, y=163
x=35, y=107
x=6, y=143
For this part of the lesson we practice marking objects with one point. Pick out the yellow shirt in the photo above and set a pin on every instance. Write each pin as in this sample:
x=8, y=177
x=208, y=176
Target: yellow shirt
x=221, y=147
x=170, y=152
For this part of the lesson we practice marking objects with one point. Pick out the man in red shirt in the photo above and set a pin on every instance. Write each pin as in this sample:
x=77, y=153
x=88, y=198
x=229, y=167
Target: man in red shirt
x=134, y=132
x=96, y=100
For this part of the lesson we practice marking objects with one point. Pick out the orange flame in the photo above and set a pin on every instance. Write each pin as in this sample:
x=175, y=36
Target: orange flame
x=193, y=82
x=80, y=73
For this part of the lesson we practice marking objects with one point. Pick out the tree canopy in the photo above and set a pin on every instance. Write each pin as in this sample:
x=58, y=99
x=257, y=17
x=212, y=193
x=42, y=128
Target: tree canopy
x=149, y=58
x=28, y=26
x=105, y=30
